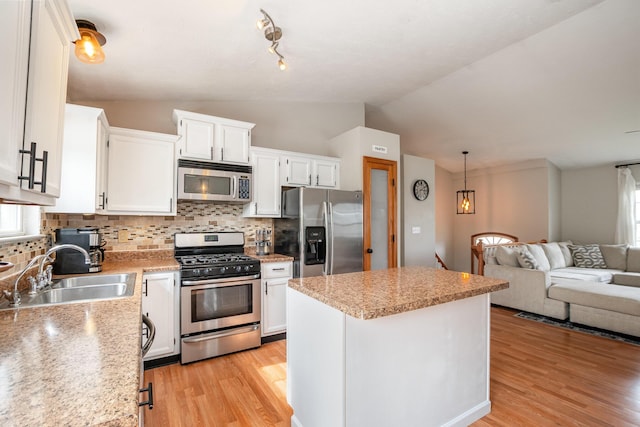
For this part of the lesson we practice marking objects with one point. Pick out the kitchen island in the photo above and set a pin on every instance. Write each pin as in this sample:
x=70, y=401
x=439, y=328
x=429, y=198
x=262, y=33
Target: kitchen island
x=405, y=346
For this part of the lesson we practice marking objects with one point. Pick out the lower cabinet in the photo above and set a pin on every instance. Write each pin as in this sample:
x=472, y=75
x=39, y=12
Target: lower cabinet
x=160, y=303
x=275, y=276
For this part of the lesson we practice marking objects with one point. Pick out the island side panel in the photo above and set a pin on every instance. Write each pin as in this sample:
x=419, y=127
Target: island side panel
x=315, y=362
x=427, y=367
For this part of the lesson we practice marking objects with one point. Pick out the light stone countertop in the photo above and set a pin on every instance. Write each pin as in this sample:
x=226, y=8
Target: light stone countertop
x=379, y=293
x=273, y=258
x=75, y=364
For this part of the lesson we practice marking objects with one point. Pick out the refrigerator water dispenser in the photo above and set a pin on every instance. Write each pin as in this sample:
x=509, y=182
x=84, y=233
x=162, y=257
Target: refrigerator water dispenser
x=315, y=245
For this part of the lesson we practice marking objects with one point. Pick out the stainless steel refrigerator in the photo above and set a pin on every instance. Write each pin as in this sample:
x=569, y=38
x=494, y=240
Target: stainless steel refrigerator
x=321, y=230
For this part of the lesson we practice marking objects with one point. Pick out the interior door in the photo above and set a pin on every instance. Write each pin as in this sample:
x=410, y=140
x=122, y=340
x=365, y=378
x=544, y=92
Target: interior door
x=379, y=207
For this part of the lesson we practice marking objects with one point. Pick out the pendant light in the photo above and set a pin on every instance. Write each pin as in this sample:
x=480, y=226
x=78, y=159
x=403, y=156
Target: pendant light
x=272, y=33
x=89, y=45
x=465, y=199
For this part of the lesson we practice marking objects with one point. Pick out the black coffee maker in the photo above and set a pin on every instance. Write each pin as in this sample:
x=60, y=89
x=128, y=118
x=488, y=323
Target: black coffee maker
x=69, y=261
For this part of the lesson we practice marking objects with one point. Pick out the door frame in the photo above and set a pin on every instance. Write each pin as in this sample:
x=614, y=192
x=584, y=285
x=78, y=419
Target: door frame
x=391, y=166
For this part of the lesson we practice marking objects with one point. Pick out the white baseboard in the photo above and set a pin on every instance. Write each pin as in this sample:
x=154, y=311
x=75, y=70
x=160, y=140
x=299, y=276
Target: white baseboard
x=472, y=415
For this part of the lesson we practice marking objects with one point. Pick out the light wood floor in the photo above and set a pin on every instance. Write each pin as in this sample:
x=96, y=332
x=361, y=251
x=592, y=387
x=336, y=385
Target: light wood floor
x=541, y=375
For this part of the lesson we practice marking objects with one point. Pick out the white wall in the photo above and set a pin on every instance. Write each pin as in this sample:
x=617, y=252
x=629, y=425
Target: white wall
x=589, y=204
x=512, y=199
x=418, y=217
x=294, y=126
x=445, y=201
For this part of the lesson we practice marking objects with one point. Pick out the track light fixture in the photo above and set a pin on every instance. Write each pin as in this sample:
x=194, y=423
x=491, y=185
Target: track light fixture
x=89, y=45
x=273, y=34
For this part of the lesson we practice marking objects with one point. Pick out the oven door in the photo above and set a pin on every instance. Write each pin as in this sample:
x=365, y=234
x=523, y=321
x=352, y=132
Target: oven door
x=219, y=303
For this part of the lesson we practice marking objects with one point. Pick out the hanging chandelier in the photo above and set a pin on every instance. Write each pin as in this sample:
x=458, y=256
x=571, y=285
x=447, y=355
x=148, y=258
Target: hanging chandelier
x=465, y=199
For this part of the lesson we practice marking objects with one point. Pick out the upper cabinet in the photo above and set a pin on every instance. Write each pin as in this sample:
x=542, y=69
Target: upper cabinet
x=265, y=201
x=309, y=171
x=84, y=161
x=140, y=173
x=274, y=169
x=204, y=137
x=36, y=41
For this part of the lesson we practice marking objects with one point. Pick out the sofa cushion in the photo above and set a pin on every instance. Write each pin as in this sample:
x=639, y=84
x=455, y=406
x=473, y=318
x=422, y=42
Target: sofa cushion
x=564, y=247
x=621, y=299
x=587, y=256
x=538, y=253
x=627, y=279
x=507, y=256
x=554, y=255
x=601, y=275
x=527, y=260
x=615, y=256
x=633, y=260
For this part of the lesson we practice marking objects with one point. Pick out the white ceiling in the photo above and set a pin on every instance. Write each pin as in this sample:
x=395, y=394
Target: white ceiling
x=508, y=80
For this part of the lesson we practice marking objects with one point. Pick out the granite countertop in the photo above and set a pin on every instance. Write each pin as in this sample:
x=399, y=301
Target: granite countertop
x=379, y=293
x=273, y=258
x=75, y=364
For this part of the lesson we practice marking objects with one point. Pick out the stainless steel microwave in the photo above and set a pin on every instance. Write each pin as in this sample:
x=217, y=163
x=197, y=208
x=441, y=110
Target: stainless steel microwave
x=215, y=182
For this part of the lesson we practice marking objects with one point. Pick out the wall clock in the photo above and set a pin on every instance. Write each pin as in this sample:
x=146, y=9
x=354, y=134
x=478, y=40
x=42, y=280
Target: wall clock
x=421, y=189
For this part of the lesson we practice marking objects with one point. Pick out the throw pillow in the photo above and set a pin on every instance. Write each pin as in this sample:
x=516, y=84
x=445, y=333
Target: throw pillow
x=587, y=256
x=527, y=260
x=507, y=256
x=554, y=254
x=615, y=256
x=541, y=258
x=564, y=247
x=633, y=260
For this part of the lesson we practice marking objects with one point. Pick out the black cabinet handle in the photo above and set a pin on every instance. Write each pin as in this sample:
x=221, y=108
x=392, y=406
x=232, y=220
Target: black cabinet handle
x=30, y=178
x=43, y=181
x=149, y=400
x=369, y=250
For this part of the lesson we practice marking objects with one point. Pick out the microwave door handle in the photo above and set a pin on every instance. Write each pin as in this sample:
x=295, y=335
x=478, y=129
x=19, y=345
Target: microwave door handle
x=233, y=188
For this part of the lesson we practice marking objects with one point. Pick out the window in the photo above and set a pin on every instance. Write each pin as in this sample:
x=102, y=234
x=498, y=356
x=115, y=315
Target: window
x=11, y=221
x=19, y=221
x=638, y=216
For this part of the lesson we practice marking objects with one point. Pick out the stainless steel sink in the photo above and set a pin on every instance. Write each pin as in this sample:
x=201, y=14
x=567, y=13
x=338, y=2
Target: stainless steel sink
x=81, y=289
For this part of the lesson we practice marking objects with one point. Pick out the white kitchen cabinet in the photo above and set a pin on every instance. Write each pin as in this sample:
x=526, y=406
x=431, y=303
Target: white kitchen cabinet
x=83, y=182
x=265, y=200
x=140, y=173
x=160, y=303
x=36, y=41
x=310, y=171
x=204, y=137
x=275, y=277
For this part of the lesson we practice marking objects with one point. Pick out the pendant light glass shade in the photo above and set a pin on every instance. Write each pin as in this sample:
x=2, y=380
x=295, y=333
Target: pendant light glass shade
x=465, y=199
x=89, y=46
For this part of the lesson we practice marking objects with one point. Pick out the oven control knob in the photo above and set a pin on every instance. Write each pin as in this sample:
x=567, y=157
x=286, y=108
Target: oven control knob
x=246, y=268
x=223, y=269
x=238, y=268
x=195, y=272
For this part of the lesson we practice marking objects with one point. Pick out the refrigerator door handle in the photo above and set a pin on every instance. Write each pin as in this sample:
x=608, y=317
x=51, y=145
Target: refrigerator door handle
x=331, y=242
x=325, y=220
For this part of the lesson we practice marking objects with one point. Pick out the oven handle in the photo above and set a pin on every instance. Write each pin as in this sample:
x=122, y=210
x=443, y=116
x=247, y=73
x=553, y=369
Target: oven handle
x=215, y=335
x=223, y=280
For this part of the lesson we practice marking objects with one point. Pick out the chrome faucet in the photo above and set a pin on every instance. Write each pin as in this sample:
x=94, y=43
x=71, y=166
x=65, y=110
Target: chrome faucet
x=43, y=277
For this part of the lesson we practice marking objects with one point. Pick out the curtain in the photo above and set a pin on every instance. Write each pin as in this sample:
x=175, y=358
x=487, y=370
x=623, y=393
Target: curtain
x=626, y=226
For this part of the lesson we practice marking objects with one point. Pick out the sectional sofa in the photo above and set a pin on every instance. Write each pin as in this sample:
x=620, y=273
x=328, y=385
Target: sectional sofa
x=594, y=285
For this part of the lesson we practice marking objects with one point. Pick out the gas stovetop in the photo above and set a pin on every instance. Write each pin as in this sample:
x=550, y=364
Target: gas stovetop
x=204, y=256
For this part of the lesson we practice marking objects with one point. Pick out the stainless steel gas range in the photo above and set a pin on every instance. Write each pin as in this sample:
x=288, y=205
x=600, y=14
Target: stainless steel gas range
x=220, y=295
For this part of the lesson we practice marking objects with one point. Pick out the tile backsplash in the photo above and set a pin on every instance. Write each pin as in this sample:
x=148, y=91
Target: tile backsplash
x=130, y=233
